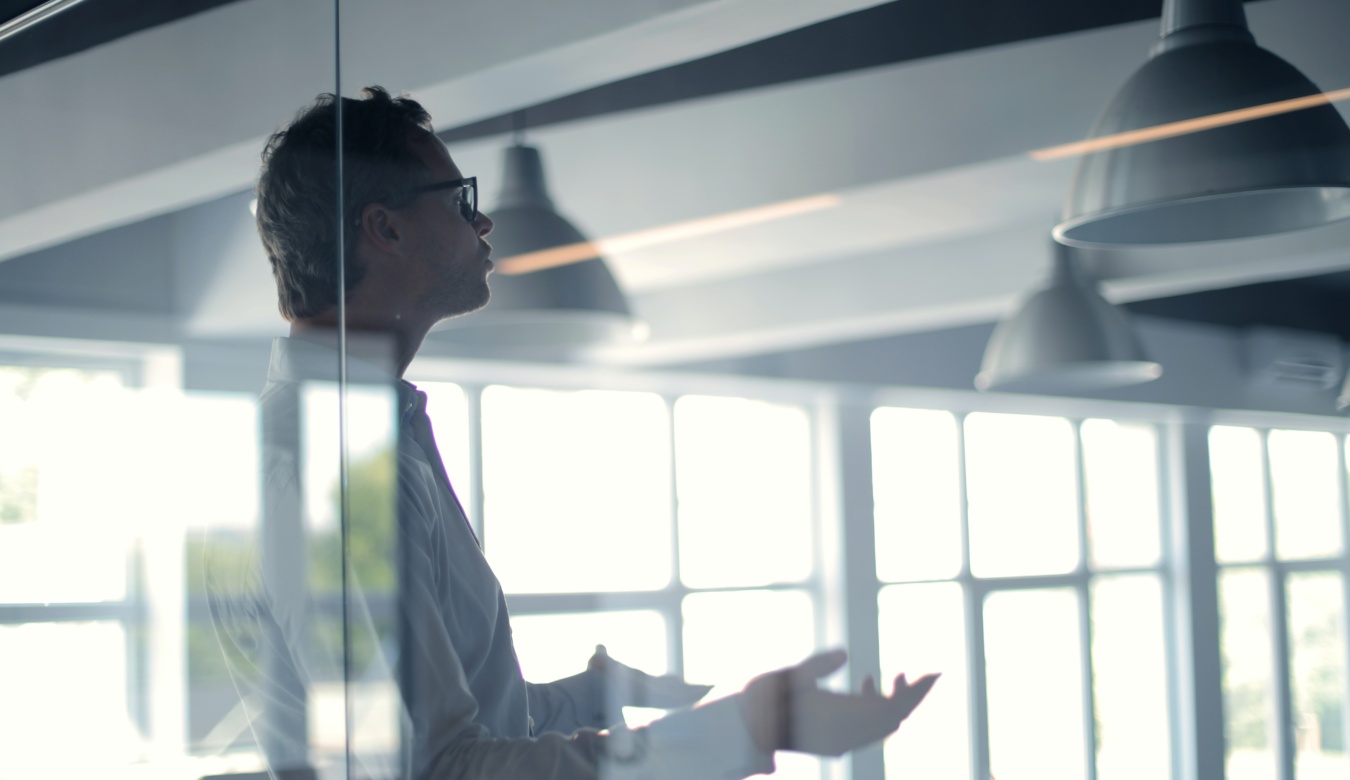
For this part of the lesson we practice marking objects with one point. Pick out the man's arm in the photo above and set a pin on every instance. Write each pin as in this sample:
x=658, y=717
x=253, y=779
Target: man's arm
x=596, y=697
x=720, y=740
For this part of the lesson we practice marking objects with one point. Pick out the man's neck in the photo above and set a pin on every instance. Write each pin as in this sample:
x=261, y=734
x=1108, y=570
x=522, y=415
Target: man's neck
x=390, y=348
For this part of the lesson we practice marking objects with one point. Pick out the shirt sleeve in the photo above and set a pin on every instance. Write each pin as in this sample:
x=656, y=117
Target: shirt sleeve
x=568, y=704
x=708, y=743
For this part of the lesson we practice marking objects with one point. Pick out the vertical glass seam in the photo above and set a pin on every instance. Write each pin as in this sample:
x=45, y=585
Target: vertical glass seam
x=344, y=519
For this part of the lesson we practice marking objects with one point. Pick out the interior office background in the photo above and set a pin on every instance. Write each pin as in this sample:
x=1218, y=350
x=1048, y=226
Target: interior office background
x=817, y=212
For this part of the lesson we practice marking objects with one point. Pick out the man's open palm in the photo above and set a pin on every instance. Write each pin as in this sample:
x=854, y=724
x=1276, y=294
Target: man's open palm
x=787, y=710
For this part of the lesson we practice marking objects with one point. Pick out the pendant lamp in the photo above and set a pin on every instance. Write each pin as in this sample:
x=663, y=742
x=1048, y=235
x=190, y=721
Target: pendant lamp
x=1064, y=338
x=577, y=304
x=1284, y=171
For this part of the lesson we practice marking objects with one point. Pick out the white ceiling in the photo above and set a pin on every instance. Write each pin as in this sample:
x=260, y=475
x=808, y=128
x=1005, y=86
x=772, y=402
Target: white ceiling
x=942, y=220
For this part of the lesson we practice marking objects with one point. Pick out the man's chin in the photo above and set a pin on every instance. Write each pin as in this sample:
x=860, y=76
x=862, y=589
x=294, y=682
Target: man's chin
x=464, y=308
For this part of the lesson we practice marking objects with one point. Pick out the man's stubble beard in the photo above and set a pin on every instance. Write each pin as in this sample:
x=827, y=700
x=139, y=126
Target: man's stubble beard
x=464, y=300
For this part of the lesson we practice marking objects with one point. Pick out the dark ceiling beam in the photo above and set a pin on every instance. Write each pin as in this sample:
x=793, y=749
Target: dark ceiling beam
x=888, y=34
x=86, y=25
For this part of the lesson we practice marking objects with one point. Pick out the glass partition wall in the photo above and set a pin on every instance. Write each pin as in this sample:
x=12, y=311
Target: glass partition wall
x=680, y=446
x=138, y=314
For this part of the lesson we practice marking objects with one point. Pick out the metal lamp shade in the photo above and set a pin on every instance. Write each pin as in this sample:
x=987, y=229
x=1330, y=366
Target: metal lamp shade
x=1281, y=172
x=574, y=305
x=1064, y=338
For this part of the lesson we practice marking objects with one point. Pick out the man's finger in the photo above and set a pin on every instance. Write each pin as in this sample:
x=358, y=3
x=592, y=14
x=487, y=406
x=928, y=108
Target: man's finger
x=910, y=695
x=600, y=660
x=817, y=666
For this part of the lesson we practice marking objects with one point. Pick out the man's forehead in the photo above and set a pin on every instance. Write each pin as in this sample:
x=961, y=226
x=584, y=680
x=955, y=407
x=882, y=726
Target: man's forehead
x=436, y=157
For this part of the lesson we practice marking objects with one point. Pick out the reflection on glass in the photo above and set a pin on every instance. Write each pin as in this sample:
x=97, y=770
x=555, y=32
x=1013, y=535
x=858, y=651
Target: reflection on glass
x=551, y=647
x=61, y=682
x=448, y=408
x=1129, y=678
x=371, y=470
x=923, y=629
x=224, y=449
x=732, y=637
x=1035, y=682
x=66, y=454
x=370, y=423
x=1020, y=480
x=1120, y=465
x=576, y=490
x=1238, y=494
x=917, y=491
x=121, y=476
x=1316, y=613
x=1244, y=605
x=324, y=688
x=1305, y=494
x=743, y=470
x=370, y=719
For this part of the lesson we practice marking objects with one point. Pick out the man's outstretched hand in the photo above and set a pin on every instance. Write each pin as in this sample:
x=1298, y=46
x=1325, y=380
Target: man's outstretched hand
x=788, y=710
x=629, y=687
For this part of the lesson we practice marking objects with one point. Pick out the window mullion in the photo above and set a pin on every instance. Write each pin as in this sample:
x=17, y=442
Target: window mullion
x=1282, y=719
x=852, y=469
x=1195, y=604
x=1171, y=482
x=675, y=615
x=974, y=593
x=1084, y=607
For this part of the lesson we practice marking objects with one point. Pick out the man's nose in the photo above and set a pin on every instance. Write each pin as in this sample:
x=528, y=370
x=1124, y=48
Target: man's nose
x=483, y=223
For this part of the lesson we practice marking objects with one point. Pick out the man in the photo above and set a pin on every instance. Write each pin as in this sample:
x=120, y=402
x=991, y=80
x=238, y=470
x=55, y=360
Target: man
x=415, y=254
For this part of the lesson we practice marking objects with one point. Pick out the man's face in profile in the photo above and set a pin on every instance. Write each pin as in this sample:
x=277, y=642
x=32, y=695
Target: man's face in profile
x=448, y=261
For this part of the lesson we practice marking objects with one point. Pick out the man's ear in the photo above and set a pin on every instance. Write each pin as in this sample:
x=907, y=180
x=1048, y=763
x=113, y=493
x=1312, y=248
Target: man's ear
x=381, y=227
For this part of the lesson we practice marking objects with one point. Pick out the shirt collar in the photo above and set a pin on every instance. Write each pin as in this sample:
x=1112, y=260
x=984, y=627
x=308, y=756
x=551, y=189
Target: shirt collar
x=301, y=360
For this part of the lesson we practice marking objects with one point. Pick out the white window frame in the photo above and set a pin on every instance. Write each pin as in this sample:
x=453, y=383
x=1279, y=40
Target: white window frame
x=1282, y=726
x=152, y=617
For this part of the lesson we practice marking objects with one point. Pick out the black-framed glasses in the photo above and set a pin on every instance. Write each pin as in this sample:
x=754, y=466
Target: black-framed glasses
x=468, y=194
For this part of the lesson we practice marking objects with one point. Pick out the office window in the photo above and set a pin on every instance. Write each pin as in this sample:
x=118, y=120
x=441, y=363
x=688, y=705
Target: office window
x=69, y=630
x=585, y=494
x=744, y=481
x=1279, y=526
x=576, y=490
x=1020, y=488
x=64, y=678
x=1027, y=549
x=744, y=476
x=923, y=628
x=551, y=647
